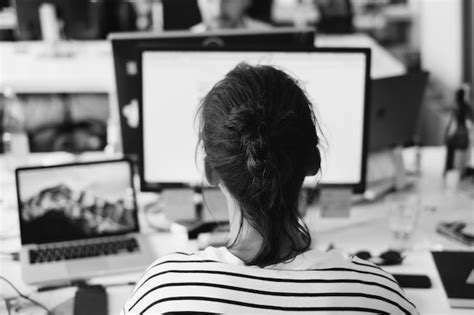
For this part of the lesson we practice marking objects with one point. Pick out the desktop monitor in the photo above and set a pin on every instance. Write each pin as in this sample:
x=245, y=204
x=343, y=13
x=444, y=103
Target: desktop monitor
x=336, y=80
x=82, y=18
x=126, y=46
x=395, y=110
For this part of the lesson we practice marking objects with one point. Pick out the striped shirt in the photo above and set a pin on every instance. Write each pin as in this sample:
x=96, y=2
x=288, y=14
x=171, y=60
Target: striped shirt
x=216, y=281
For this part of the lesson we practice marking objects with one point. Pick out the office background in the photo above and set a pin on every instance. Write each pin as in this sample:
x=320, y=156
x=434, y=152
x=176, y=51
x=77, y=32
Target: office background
x=59, y=91
x=433, y=35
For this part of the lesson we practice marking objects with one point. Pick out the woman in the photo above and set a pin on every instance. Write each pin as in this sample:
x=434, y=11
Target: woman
x=260, y=140
x=226, y=14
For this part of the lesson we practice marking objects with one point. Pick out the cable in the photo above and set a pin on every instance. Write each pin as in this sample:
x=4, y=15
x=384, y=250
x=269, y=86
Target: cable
x=48, y=312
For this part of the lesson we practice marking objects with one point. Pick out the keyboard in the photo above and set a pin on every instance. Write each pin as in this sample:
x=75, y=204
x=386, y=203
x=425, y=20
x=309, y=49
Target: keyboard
x=83, y=249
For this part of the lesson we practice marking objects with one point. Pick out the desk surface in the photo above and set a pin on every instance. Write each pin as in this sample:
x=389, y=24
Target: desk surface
x=67, y=67
x=87, y=66
x=367, y=228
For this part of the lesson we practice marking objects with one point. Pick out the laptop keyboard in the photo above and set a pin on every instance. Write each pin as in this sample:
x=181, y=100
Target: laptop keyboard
x=84, y=249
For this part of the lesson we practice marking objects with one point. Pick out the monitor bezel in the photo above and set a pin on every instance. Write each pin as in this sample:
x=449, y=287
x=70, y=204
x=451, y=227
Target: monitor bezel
x=358, y=187
x=136, y=229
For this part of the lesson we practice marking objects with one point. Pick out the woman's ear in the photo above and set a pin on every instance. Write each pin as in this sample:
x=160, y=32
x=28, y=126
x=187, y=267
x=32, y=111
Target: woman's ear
x=313, y=163
x=211, y=174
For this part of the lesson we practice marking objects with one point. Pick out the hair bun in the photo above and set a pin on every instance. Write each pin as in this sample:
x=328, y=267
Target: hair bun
x=258, y=157
x=249, y=124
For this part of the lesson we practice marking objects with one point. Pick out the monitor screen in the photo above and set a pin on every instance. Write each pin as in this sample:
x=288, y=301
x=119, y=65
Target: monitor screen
x=174, y=82
x=76, y=201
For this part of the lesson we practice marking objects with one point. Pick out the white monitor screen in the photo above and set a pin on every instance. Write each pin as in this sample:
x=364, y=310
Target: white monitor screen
x=174, y=83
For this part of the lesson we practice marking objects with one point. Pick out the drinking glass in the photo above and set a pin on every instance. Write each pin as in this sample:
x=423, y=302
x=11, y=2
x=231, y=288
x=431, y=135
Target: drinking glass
x=403, y=213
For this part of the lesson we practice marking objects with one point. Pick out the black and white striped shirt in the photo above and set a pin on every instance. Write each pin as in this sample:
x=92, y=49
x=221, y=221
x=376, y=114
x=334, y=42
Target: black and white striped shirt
x=216, y=281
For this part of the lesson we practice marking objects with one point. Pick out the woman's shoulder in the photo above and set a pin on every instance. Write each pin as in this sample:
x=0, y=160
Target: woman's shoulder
x=178, y=260
x=213, y=279
x=188, y=264
x=335, y=264
x=310, y=267
x=207, y=255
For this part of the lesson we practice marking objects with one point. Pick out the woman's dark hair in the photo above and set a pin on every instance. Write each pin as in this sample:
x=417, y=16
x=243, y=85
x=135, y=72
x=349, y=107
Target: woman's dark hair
x=259, y=135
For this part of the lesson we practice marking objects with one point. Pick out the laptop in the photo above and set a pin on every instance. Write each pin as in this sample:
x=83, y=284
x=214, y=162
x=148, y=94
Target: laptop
x=79, y=221
x=456, y=270
x=395, y=110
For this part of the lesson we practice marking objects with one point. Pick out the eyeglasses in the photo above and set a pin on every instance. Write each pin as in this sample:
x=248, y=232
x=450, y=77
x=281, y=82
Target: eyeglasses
x=387, y=258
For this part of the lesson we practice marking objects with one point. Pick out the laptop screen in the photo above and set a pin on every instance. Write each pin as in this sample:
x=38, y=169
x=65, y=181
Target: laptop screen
x=76, y=201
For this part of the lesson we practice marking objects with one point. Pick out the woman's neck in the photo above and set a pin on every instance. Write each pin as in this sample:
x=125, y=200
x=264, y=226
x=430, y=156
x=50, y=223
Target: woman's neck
x=245, y=240
x=247, y=244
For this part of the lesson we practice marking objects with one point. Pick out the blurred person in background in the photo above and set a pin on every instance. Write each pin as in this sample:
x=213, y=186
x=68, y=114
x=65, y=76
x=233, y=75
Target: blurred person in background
x=226, y=14
x=336, y=16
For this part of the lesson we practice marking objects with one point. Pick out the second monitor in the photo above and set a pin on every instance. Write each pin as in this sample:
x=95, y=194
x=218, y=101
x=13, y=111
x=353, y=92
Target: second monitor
x=396, y=102
x=173, y=83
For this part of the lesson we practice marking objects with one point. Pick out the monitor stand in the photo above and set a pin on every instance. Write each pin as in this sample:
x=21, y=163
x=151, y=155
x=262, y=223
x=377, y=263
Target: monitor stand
x=201, y=222
x=335, y=202
x=385, y=173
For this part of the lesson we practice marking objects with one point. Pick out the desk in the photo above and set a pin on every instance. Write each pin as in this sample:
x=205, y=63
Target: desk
x=68, y=67
x=383, y=64
x=60, y=300
x=355, y=233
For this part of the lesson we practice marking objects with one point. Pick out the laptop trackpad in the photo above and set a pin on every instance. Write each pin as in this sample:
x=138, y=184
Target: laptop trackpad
x=87, y=267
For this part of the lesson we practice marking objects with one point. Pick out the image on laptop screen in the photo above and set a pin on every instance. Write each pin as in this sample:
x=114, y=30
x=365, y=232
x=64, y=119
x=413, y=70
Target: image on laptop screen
x=71, y=202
